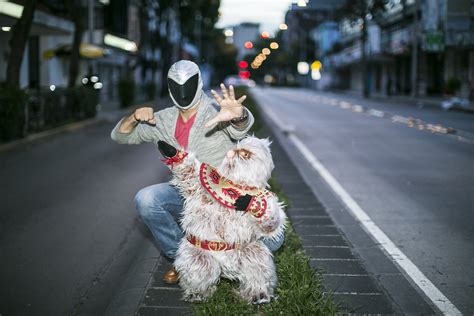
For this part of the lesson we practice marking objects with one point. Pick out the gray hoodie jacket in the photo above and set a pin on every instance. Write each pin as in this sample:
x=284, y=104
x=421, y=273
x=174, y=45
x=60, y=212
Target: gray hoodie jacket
x=210, y=145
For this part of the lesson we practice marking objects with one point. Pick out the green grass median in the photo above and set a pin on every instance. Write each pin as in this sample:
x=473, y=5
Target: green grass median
x=299, y=290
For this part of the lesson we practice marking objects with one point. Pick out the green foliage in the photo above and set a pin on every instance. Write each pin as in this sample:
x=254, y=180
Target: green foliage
x=12, y=113
x=126, y=90
x=45, y=109
x=452, y=85
x=224, y=59
x=299, y=290
x=83, y=101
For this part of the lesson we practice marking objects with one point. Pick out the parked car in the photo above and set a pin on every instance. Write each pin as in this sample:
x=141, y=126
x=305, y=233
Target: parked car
x=457, y=103
x=236, y=81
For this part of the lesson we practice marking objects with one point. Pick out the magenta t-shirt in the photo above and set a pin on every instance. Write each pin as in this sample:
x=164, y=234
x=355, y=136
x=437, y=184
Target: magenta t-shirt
x=182, y=130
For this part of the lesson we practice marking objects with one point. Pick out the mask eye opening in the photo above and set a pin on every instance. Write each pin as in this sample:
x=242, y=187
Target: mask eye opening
x=244, y=154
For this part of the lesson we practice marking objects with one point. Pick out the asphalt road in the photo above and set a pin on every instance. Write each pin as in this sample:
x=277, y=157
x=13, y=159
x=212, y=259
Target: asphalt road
x=68, y=226
x=417, y=186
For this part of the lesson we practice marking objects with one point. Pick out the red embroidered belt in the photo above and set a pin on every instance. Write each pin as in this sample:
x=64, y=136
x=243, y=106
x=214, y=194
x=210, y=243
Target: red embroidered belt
x=210, y=245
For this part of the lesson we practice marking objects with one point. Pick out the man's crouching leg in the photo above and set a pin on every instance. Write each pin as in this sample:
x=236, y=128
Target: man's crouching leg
x=160, y=206
x=274, y=244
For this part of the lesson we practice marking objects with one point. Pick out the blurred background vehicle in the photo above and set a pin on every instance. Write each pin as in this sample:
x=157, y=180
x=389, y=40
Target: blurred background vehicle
x=236, y=81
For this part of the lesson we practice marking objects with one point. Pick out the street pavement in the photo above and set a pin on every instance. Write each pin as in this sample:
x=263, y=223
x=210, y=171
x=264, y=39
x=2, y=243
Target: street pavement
x=416, y=185
x=69, y=231
x=71, y=241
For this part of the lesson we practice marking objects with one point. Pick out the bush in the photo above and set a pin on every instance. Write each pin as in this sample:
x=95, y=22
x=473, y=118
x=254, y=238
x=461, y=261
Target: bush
x=24, y=112
x=452, y=85
x=126, y=89
x=12, y=113
x=85, y=101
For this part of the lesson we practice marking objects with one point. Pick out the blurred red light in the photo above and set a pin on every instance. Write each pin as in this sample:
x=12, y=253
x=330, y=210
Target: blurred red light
x=243, y=64
x=248, y=45
x=265, y=35
x=244, y=74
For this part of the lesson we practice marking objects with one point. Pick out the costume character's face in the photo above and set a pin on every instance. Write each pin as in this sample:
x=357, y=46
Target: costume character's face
x=185, y=84
x=249, y=163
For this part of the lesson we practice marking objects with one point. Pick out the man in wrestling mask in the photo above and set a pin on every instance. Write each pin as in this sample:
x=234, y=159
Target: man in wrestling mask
x=194, y=124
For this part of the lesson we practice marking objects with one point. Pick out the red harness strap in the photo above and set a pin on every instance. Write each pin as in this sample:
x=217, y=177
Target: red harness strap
x=176, y=159
x=210, y=245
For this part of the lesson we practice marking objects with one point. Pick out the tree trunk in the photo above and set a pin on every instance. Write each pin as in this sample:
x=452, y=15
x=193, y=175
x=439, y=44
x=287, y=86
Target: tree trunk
x=19, y=37
x=75, y=13
x=365, y=66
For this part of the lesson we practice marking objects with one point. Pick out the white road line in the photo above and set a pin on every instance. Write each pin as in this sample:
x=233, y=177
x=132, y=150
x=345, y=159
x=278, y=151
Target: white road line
x=430, y=290
x=383, y=241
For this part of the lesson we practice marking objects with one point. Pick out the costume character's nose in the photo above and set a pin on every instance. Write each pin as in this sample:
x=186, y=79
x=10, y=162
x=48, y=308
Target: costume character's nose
x=231, y=154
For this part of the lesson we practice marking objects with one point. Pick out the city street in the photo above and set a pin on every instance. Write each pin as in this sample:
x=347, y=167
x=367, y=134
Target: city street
x=417, y=186
x=69, y=228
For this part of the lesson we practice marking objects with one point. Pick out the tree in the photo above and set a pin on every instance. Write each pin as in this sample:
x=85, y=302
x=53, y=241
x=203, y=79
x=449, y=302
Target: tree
x=19, y=37
x=363, y=10
x=74, y=11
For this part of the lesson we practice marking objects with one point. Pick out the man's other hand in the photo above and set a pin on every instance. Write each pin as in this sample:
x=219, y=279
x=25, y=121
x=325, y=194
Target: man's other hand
x=230, y=107
x=145, y=114
x=166, y=149
x=242, y=202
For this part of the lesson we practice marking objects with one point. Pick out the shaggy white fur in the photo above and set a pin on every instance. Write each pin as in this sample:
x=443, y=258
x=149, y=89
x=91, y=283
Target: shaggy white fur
x=251, y=262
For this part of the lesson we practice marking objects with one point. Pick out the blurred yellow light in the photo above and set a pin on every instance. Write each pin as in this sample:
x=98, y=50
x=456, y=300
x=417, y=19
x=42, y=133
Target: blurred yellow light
x=283, y=27
x=228, y=32
x=265, y=34
x=274, y=45
x=266, y=51
x=316, y=65
x=254, y=66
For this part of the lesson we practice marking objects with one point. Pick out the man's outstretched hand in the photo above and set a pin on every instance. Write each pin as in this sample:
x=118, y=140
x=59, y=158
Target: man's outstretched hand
x=166, y=149
x=230, y=107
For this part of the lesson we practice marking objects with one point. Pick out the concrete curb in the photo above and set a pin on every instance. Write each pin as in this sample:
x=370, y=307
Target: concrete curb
x=129, y=294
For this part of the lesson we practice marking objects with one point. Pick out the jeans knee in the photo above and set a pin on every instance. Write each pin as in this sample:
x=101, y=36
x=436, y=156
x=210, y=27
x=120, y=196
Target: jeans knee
x=274, y=244
x=144, y=202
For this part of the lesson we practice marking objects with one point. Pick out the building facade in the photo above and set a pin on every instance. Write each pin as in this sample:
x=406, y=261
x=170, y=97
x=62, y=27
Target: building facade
x=418, y=49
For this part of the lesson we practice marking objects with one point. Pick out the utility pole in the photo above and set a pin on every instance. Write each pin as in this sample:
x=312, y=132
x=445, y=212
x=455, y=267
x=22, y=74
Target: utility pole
x=90, y=17
x=198, y=34
x=414, y=52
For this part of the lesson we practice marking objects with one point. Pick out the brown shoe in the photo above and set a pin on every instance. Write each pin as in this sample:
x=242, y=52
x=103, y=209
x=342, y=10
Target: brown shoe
x=171, y=277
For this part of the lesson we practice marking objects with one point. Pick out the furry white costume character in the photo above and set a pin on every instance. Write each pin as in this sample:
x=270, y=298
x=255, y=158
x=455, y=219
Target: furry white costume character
x=226, y=213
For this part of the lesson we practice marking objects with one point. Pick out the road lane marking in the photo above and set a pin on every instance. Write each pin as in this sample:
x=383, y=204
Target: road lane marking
x=459, y=135
x=383, y=241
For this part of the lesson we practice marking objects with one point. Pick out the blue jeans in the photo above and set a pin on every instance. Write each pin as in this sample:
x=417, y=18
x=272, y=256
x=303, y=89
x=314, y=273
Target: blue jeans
x=160, y=207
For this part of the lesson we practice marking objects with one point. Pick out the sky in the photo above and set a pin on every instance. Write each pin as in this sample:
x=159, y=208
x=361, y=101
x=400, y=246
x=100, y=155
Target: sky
x=269, y=13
